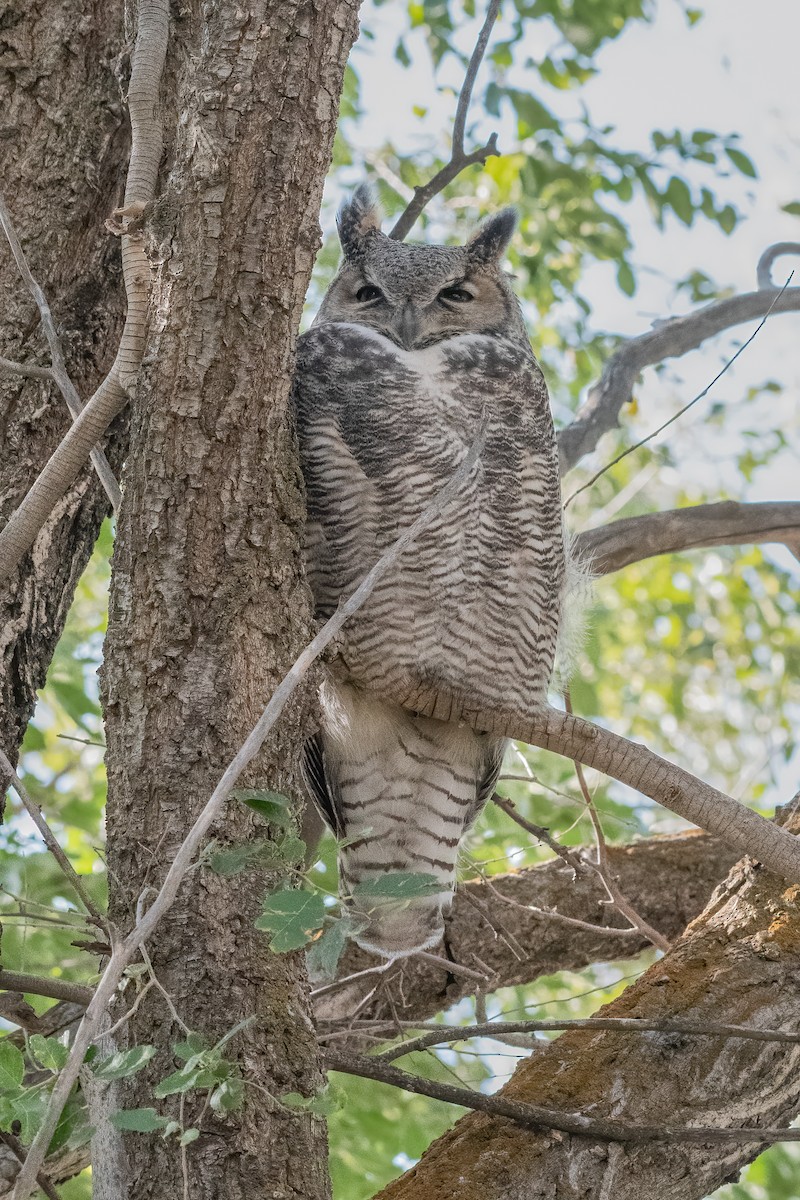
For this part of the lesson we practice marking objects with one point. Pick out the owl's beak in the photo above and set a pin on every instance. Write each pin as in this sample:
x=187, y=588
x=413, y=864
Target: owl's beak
x=406, y=326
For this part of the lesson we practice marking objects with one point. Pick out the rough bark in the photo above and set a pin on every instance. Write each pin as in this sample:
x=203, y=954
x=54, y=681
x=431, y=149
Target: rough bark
x=667, y=879
x=208, y=602
x=738, y=963
x=63, y=147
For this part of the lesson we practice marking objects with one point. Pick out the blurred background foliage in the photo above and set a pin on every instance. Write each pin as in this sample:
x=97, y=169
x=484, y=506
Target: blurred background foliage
x=694, y=654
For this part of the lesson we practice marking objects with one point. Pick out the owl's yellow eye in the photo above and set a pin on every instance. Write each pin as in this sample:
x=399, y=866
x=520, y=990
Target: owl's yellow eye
x=367, y=293
x=458, y=295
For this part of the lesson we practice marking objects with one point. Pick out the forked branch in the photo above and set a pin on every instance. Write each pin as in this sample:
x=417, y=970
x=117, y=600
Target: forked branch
x=459, y=159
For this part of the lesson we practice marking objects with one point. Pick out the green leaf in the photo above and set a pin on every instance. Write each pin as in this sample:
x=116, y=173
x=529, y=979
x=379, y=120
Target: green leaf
x=272, y=806
x=793, y=209
x=625, y=279
x=727, y=218
x=679, y=199
x=138, y=1120
x=325, y=952
x=399, y=885
x=234, y=859
x=293, y=917
x=28, y=1108
x=12, y=1066
x=189, y=1136
x=124, y=1063
x=228, y=1097
x=328, y=1100
x=292, y=849
x=182, y=1080
x=195, y=1044
x=48, y=1051
x=741, y=162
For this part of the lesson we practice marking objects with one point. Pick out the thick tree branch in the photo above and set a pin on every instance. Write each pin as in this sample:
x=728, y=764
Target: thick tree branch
x=626, y=761
x=612, y=547
x=111, y=397
x=459, y=159
x=35, y=985
x=738, y=963
x=669, y=339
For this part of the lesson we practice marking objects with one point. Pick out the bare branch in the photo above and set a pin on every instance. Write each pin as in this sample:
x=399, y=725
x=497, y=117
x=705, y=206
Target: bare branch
x=541, y=834
x=124, y=951
x=536, y=1117
x=58, y=371
x=35, y=985
x=458, y=158
x=626, y=761
x=669, y=339
x=440, y=1034
x=612, y=547
x=764, y=268
x=26, y=370
x=671, y=420
x=51, y=841
x=111, y=397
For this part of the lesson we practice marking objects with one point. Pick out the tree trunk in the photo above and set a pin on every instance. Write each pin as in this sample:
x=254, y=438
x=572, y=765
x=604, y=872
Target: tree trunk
x=63, y=147
x=738, y=963
x=209, y=605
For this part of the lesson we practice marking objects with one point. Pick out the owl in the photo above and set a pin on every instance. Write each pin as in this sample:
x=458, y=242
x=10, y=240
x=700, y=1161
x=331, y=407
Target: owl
x=413, y=347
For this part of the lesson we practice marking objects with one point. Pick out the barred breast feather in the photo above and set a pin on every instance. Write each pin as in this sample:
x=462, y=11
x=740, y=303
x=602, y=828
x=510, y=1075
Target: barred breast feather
x=471, y=610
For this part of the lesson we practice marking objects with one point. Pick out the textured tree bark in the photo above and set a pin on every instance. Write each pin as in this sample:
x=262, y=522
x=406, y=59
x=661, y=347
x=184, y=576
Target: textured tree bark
x=739, y=963
x=63, y=148
x=209, y=605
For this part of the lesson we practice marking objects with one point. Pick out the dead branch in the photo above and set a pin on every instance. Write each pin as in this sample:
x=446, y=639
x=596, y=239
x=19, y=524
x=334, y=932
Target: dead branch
x=18, y=1150
x=764, y=269
x=440, y=1035
x=458, y=158
x=538, y=1118
x=669, y=339
x=111, y=397
x=58, y=369
x=612, y=547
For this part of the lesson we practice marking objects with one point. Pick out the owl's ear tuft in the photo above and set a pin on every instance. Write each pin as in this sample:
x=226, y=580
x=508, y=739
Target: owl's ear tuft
x=358, y=219
x=490, y=240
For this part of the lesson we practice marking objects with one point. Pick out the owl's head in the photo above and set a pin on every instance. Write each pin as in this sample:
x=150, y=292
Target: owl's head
x=417, y=295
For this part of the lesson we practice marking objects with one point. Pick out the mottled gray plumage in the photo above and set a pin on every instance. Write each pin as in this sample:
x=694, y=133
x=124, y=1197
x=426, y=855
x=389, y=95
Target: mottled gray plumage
x=411, y=346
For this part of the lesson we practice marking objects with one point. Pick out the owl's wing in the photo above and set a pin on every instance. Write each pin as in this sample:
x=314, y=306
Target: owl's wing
x=322, y=789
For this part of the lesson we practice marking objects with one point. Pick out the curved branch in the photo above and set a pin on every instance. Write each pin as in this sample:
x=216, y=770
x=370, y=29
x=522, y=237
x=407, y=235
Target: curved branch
x=111, y=397
x=728, y=523
x=458, y=159
x=669, y=339
x=764, y=268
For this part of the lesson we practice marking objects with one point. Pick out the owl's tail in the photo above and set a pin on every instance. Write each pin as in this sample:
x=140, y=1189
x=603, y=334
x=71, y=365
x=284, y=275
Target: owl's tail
x=399, y=791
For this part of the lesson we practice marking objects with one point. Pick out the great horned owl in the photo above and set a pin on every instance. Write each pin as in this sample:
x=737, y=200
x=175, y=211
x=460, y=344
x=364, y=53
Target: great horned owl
x=412, y=345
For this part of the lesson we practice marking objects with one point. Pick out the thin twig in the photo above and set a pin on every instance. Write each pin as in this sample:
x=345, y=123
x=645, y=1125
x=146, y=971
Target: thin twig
x=458, y=159
x=438, y=1034
x=125, y=950
x=58, y=371
x=51, y=841
x=670, y=338
x=452, y=968
x=54, y=989
x=603, y=868
x=540, y=833
x=534, y=1116
x=549, y=914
